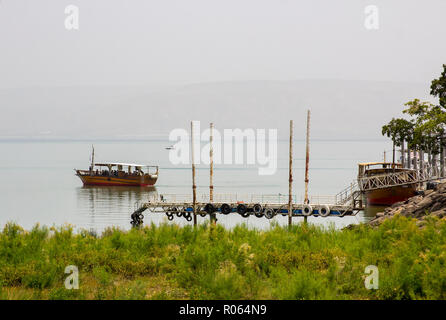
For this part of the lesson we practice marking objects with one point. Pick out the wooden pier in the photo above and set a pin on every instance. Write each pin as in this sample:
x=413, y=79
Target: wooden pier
x=259, y=206
x=348, y=202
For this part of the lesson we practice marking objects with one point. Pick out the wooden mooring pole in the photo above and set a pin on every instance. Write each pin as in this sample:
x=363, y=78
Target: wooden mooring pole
x=290, y=180
x=307, y=160
x=213, y=216
x=194, y=186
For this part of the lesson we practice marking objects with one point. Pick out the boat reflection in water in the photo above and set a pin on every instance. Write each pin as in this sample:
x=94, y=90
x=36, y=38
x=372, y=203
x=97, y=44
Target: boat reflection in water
x=102, y=207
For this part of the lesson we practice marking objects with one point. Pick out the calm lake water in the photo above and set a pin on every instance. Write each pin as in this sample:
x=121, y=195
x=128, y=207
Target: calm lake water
x=39, y=185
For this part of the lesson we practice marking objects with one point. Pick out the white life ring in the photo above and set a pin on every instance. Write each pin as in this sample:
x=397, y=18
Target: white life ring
x=307, y=210
x=324, y=211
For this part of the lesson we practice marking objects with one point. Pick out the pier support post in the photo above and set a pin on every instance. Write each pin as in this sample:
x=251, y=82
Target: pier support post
x=307, y=160
x=442, y=159
x=415, y=159
x=393, y=153
x=421, y=155
x=403, y=155
x=434, y=165
x=290, y=179
x=429, y=158
x=409, y=157
x=213, y=215
x=194, y=186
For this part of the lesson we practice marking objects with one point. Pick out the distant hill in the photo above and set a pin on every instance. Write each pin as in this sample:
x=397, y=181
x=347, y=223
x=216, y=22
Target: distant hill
x=340, y=109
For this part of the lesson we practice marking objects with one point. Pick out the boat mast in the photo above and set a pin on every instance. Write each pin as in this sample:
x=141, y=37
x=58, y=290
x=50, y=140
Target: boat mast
x=92, y=159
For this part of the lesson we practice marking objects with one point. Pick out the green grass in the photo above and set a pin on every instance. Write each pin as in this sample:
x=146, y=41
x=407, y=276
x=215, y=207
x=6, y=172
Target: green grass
x=172, y=262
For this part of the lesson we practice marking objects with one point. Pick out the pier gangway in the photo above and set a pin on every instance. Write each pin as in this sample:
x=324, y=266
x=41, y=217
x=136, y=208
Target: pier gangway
x=351, y=195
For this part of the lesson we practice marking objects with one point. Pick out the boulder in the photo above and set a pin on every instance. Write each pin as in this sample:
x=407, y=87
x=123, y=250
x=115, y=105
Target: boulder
x=426, y=202
x=436, y=206
x=431, y=203
x=439, y=213
x=441, y=188
x=380, y=214
x=397, y=204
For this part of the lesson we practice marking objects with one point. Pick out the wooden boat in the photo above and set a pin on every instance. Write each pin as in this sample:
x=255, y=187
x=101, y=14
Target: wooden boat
x=378, y=171
x=118, y=174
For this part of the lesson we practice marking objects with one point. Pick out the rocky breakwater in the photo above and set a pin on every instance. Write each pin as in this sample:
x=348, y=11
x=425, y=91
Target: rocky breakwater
x=430, y=203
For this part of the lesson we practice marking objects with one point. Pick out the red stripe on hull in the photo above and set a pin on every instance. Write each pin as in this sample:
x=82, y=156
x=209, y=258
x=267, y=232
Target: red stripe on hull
x=142, y=181
x=116, y=184
x=386, y=201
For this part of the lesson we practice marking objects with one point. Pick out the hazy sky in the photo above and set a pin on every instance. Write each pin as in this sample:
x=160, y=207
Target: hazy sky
x=132, y=42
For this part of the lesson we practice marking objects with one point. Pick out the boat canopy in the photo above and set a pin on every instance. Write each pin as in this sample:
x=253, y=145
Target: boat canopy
x=114, y=164
x=120, y=165
x=374, y=166
x=383, y=164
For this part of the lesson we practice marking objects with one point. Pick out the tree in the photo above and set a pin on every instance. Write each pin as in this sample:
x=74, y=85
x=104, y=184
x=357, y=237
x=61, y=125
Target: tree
x=398, y=130
x=426, y=128
x=438, y=88
x=428, y=125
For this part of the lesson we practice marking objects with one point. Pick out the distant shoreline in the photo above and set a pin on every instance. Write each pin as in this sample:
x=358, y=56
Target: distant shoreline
x=42, y=139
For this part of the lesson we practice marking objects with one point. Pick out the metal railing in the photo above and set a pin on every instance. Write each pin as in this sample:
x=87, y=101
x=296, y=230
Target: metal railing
x=320, y=200
x=347, y=195
x=406, y=177
x=245, y=198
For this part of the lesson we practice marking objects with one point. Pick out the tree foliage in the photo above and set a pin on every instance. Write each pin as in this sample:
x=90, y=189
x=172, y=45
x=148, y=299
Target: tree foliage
x=425, y=128
x=438, y=88
x=428, y=125
x=398, y=130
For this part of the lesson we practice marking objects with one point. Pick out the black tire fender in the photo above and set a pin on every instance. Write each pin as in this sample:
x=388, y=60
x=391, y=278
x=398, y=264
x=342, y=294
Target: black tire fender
x=242, y=209
x=269, y=213
x=225, y=208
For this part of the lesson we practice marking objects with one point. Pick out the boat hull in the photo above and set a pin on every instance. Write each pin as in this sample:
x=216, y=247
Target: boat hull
x=115, y=181
x=389, y=196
